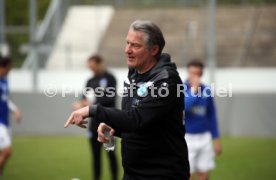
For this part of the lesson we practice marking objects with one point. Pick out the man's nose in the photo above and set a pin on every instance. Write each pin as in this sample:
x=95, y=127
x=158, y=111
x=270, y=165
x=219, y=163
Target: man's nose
x=127, y=49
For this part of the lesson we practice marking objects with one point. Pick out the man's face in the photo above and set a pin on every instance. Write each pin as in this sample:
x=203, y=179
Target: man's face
x=194, y=72
x=93, y=66
x=136, y=50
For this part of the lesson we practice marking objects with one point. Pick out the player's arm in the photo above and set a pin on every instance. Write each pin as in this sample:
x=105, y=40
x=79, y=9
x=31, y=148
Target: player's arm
x=214, y=126
x=15, y=110
x=217, y=146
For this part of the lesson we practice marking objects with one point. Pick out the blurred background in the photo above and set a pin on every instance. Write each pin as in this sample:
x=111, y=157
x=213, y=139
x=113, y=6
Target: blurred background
x=50, y=41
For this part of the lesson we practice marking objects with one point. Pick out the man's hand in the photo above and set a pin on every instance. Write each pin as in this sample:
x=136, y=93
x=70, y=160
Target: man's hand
x=17, y=115
x=78, y=117
x=217, y=146
x=101, y=130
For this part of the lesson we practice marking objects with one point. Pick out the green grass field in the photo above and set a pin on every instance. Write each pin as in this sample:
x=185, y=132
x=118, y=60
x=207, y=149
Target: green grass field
x=64, y=158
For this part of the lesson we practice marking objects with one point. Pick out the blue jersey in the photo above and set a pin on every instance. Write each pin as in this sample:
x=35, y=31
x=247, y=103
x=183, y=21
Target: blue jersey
x=4, y=110
x=200, y=113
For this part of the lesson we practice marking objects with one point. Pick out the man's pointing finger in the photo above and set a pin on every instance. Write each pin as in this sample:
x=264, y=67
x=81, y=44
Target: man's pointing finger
x=68, y=122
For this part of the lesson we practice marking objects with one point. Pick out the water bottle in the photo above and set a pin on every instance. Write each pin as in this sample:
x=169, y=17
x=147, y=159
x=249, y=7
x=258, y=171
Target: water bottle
x=110, y=145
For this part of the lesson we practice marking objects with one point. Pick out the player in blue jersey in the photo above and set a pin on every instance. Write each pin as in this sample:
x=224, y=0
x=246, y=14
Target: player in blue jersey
x=5, y=107
x=202, y=133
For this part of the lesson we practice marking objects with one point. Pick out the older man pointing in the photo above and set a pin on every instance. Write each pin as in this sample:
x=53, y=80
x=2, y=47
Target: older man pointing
x=150, y=122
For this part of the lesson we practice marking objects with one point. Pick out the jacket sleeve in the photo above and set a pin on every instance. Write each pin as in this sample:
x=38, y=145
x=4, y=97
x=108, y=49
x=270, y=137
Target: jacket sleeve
x=149, y=112
x=213, y=118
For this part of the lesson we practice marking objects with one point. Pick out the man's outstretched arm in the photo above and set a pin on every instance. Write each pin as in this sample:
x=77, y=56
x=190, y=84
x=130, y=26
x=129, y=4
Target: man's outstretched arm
x=145, y=116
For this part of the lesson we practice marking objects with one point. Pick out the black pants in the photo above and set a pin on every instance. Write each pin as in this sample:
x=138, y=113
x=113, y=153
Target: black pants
x=96, y=155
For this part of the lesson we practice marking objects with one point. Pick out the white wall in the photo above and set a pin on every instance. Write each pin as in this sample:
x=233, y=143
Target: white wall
x=242, y=80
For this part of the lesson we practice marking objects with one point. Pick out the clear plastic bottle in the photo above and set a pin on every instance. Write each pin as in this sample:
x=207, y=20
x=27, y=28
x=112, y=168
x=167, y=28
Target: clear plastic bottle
x=110, y=145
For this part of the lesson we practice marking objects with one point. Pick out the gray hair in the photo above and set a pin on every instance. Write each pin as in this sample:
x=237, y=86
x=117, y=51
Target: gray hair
x=153, y=34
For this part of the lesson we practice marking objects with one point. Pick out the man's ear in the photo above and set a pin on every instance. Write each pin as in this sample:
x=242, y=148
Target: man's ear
x=154, y=50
